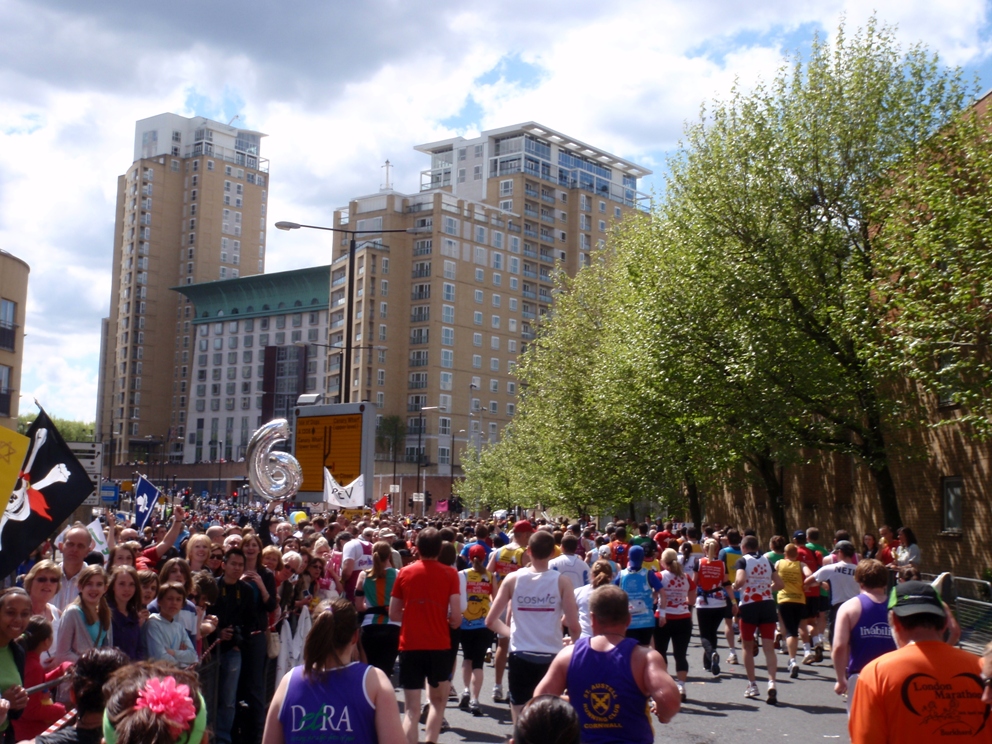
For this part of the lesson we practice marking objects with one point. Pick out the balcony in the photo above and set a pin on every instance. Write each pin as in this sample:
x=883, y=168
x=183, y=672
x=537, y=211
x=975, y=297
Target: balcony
x=549, y=198
x=530, y=211
x=8, y=335
x=417, y=340
x=531, y=192
x=527, y=315
x=420, y=318
x=530, y=274
x=549, y=218
x=422, y=295
x=417, y=362
x=547, y=258
x=420, y=273
x=530, y=233
x=530, y=252
x=528, y=335
x=417, y=385
x=529, y=295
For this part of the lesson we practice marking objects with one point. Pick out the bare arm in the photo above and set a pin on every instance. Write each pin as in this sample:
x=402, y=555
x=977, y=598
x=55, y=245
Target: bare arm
x=273, y=728
x=360, y=603
x=777, y=582
x=840, y=652
x=656, y=683
x=570, y=608
x=396, y=609
x=347, y=569
x=455, y=610
x=740, y=580
x=493, y=620
x=173, y=534
x=388, y=728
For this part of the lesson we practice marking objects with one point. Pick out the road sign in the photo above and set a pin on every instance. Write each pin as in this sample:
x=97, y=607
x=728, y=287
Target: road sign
x=109, y=493
x=394, y=488
x=340, y=438
x=90, y=456
x=418, y=498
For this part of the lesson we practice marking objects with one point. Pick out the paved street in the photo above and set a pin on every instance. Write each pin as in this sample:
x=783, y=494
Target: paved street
x=716, y=709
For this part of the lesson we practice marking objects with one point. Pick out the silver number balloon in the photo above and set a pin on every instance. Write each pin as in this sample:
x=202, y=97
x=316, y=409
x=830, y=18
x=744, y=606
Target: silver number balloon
x=274, y=475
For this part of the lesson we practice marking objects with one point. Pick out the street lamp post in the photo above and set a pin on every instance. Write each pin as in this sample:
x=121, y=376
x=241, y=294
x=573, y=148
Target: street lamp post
x=420, y=456
x=349, y=324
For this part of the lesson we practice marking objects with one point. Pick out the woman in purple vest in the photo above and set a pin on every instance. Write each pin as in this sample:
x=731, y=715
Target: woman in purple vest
x=331, y=698
x=861, y=631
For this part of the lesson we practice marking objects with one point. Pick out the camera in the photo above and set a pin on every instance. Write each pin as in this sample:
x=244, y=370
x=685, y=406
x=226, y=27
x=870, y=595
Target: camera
x=237, y=637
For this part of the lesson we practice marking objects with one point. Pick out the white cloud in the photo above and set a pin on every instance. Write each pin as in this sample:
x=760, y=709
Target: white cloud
x=341, y=87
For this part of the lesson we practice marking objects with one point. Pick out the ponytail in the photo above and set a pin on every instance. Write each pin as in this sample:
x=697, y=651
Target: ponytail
x=382, y=558
x=38, y=631
x=602, y=573
x=331, y=633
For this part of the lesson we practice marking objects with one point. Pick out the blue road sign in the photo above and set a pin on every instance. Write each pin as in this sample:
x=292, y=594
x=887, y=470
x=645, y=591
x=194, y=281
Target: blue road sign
x=110, y=493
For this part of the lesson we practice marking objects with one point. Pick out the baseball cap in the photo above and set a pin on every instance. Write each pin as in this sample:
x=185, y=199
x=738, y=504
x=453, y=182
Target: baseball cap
x=523, y=526
x=915, y=598
x=799, y=535
x=636, y=556
x=476, y=551
x=844, y=546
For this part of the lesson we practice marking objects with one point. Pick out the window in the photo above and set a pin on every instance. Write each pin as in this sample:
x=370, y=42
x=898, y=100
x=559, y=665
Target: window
x=384, y=287
x=446, y=378
x=511, y=408
x=385, y=268
x=506, y=205
x=602, y=207
x=494, y=386
x=449, y=269
x=506, y=188
x=477, y=173
x=380, y=400
x=480, y=275
x=494, y=342
x=513, y=305
x=461, y=175
x=447, y=358
x=953, y=492
x=480, y=237
x=447, y=336
x=380, y=377
x=447, y=313
x=476, y=339
x=511, y=346
x=497, y=259
x=494, y=364
x=448, y=292
x=511, y=388
x=450, y=226
x=477, y=317
x=444, y=426
x=476, y=361
x=602, y=225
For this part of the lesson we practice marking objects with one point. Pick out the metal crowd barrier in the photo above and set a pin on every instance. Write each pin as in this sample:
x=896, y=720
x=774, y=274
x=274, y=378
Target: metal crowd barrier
x=971, y=601
x=208, y=671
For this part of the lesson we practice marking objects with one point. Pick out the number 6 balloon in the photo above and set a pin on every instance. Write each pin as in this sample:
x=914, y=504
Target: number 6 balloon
x=274, y=475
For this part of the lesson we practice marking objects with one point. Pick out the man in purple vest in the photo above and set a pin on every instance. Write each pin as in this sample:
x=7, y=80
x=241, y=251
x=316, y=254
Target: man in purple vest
x=610, y=678
x=861, y=630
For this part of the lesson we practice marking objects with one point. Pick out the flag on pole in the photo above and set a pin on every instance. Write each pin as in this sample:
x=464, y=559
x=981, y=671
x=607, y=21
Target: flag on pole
x=145, y=496
x=51, y=484
x=442, y=506
x=382, y=504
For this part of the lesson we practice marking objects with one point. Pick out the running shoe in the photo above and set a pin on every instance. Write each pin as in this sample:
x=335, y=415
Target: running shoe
x=463, y=703
x=809, y=657
x=793, y=669
x=445, y=726
x=732, y=658
x=778, y=641
x=715, y=664
x=681, y=687
x=819, y=652
x=754, y=648
x=489, y=656
x=772, y=698
x=737, y=628
x=498, y=694
x=423, y=713
x=474, y=708
x=752, y=690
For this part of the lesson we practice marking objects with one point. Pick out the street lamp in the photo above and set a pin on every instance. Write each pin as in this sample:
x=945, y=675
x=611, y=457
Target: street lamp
x=352, y=248
x=420, y=456
x=338, y=347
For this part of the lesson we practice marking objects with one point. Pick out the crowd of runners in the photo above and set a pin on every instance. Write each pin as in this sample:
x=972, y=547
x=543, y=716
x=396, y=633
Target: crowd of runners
x=315, y=623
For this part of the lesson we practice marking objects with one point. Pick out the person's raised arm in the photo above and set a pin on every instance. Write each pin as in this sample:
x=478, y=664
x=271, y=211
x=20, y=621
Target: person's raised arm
x=175, y=530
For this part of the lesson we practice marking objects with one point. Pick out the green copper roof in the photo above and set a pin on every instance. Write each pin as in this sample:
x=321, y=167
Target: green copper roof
x=261, y=294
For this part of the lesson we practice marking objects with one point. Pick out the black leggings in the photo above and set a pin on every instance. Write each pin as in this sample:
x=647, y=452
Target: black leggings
x=679, y=632
x=381, y=643
x=710, y=619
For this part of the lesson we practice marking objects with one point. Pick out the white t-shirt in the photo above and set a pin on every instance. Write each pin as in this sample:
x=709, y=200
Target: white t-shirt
x=582, y=595
x=355, y=550
x=840, y=576
x=573, y=567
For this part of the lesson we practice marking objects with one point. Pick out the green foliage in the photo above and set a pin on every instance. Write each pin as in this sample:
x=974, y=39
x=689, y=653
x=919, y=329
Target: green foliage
x=749, y=322
x=71, y=431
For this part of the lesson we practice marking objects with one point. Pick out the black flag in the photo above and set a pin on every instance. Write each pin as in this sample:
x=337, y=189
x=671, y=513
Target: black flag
x=52, y=484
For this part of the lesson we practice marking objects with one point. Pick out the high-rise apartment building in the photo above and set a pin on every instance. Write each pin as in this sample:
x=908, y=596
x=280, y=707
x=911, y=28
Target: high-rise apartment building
x=190, y=208
x=13, y=301
x=444, y=307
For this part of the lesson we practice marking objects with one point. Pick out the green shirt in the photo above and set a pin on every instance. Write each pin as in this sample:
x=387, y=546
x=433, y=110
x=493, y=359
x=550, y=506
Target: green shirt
x=9, y=676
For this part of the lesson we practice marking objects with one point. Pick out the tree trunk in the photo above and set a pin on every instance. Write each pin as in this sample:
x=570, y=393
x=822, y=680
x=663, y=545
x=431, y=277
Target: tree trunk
x=776, y=497
x=632, y=513
x=695, y=508
x=878, y=461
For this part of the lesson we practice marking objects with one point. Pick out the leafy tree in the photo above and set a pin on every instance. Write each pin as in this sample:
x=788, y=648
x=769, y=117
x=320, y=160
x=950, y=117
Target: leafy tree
x=933, y=276
x=389, y=438
x=71, y=431
x=773, y=192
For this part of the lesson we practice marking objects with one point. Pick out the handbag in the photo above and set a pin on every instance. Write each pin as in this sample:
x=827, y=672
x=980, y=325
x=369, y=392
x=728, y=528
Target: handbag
x=272, y=644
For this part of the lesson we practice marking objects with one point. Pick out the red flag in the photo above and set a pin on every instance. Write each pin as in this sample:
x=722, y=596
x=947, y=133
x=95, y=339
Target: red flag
x=382, y=504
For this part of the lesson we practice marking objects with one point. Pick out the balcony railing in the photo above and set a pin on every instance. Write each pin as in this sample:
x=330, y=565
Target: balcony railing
x=420, y=295
x=417, y=384
x=421, y=273
x=420, y=318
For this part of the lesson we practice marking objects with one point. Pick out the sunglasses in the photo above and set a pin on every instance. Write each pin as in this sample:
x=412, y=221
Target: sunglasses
x=46, y=580
x=217, y=557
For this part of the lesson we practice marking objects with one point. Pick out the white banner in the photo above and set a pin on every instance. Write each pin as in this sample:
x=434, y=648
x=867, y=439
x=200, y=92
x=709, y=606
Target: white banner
x=99, y=538
x=351, y=496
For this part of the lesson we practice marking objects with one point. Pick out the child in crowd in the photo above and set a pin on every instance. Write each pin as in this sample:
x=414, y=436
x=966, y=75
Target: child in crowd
x=165, y=636
x=41, y=711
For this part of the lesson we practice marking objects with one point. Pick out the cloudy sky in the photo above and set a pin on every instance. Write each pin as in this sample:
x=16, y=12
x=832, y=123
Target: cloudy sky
x=340, y=86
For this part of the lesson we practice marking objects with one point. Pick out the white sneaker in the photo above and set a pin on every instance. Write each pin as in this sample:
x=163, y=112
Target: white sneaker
x=793, y=669
x=752, y=690
x=498, y=694
x=772, y=698
x=732, y=658
x=809, y=657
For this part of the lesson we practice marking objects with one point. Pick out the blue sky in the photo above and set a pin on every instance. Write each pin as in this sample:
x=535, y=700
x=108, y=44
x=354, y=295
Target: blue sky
x=341, y=87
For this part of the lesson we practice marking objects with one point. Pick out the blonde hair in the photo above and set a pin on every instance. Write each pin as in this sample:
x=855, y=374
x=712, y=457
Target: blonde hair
x=712, y=548
x=193, y=542
x=602, y=573
x=46, y=566
x=670, y=559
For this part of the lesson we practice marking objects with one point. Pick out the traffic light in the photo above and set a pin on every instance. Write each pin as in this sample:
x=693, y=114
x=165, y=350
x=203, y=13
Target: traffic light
x=427, y=499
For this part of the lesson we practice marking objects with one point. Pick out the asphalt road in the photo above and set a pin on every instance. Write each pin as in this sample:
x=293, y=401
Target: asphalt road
x=716, y=709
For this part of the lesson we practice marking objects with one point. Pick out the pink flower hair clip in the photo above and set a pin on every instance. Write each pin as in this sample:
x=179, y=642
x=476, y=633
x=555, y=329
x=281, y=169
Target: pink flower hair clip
x=165, y=698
